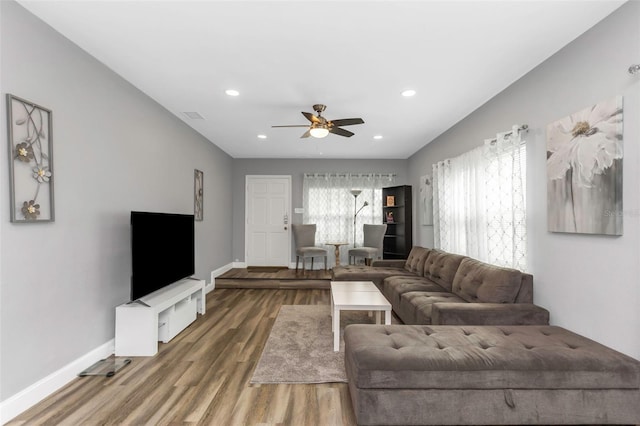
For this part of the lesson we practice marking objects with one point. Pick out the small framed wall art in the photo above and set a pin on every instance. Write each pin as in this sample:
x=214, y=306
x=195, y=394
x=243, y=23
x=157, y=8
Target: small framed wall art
x=198, y=189
x=391, y=200
x=426, y=199
x=30, y=132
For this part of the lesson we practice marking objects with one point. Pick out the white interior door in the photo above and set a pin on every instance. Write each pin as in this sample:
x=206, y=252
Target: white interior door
x=268, y=218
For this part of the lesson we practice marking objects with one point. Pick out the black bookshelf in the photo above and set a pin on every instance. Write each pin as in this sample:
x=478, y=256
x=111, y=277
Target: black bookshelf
x=397, y=214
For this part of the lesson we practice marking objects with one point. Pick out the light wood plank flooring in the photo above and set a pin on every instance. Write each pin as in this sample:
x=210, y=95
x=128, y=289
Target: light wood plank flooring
x=202, y=376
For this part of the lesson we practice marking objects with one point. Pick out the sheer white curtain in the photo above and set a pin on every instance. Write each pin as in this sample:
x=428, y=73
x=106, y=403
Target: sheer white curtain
x=479, y=202
x=328, y=202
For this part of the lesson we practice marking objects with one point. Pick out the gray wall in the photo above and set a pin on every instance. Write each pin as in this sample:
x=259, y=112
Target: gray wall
x=588, y=282
x=115, y=150
x=296, y=168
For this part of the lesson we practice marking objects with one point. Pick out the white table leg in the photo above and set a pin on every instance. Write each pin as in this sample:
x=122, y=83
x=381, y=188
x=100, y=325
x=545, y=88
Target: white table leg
x=377, y=317
x=336, y=330
x=332, y=312
x=387, y=316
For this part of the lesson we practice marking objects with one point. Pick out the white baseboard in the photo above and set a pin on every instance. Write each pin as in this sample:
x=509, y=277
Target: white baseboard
x=217, y=272
x=27, y=398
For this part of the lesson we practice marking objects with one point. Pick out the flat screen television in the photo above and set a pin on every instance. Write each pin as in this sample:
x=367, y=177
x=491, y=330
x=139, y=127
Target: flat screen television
x=162, y=250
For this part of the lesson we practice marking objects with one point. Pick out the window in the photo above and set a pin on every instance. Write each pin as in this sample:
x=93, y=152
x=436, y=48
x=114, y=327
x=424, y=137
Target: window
x=328, y=202
x=479, y=202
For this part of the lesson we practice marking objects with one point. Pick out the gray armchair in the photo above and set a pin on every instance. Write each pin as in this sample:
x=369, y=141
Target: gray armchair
x=372, y=247
x=304, y=237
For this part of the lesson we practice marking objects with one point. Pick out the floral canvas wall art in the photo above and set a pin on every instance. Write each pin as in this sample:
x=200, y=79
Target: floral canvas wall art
x=31, y=174
x=584, y=170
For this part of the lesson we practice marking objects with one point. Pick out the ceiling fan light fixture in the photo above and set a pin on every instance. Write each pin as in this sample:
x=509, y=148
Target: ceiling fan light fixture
x=320, y=127
x=408, y=93
x=319, y=132
x=232, y=92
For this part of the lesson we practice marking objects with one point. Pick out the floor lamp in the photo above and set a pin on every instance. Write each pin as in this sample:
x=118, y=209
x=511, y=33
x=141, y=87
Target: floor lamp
x=355, y=193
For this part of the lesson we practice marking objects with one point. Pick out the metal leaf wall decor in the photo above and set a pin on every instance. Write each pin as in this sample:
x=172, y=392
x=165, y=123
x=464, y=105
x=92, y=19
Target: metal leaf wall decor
x=30, y=131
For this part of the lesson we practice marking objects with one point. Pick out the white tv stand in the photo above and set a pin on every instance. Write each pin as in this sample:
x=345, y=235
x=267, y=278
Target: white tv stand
x=169, y=311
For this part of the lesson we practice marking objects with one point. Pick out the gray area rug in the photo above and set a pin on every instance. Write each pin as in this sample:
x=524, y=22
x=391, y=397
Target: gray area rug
x=300, y=346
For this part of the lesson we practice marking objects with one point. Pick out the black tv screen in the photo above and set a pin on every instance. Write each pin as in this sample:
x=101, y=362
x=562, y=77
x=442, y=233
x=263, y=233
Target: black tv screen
x=162, y=250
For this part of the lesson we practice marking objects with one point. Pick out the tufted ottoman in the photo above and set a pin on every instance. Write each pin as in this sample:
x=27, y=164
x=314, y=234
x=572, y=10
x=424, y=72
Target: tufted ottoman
x=417, y=374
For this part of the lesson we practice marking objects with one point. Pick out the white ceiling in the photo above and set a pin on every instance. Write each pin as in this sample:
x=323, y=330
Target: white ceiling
x=354, y=56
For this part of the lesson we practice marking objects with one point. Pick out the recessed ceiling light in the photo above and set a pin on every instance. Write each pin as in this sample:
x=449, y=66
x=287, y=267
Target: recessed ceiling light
x=408, y=93
x=232, y=92
x=377, y=137
x=262, y=136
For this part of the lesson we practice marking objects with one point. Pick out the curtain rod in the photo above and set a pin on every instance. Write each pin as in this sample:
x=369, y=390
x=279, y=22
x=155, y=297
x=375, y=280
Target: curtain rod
x=345, y=174
x=523, y=127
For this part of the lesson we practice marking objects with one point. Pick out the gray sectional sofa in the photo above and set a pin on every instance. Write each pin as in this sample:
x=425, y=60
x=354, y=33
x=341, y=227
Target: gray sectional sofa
x=435, y=287
x=475, y=350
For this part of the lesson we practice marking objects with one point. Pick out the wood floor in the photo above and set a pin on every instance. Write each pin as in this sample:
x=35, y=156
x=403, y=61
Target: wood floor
x=285, y=278
x=202, y=376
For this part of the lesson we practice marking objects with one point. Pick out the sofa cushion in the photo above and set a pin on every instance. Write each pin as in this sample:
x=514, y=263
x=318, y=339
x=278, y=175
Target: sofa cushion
x=440, y=267
x=483, y=357
x=477, y=281
x=366, y=273
x=415, y=306
x=415, y=260
x=394, y=287
x=488, y=314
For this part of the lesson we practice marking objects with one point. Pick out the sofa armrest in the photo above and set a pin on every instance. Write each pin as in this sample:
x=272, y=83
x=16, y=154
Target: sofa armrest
x=488, y=314
x=389, y=263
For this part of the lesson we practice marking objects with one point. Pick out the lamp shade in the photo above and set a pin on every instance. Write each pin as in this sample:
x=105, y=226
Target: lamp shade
x=319, y=132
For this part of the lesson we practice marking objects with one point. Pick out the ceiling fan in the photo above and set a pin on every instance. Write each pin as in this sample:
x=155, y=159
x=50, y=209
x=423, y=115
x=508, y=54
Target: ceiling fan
x=321, y=127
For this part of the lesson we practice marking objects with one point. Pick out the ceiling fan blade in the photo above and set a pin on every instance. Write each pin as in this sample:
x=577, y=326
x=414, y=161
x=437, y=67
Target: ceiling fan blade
x=294, y=125
x=306, y=134
x=347, y=121
x=341, y=132
x=312, y=118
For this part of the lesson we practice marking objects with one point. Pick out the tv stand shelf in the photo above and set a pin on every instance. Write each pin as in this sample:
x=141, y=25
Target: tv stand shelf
x=168, y=311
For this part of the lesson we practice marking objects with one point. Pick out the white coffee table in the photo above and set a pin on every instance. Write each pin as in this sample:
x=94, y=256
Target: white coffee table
x=356, y=296
x=353, y=286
